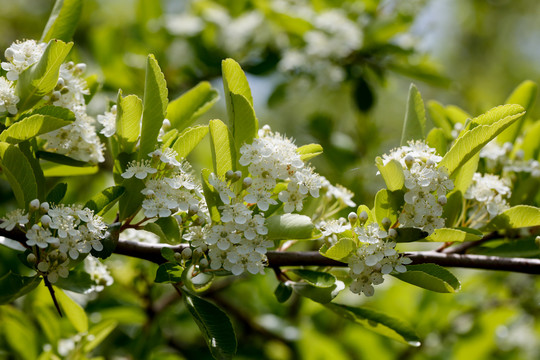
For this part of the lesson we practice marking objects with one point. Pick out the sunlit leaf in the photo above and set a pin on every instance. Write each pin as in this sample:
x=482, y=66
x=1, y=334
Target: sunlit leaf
x=291, y=226
x=392, y=173
x=19, y=174
x=515, y=217
x=431, y=277
x=63, y=20
x=184, y=110
x=414, y=126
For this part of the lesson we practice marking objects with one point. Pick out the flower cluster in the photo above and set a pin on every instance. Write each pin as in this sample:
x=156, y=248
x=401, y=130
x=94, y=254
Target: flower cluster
x=374, y=257
x=503, y=157
x=169, y=185
x=78, y=139
x=57, y=234
x=426, y=186
x=487, y=197
x=99, y=274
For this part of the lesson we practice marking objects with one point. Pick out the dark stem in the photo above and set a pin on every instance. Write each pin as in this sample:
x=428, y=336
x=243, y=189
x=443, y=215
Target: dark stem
x=51, y=291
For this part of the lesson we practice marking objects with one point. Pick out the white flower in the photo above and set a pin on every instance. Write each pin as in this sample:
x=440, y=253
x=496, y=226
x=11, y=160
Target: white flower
x=488, y=196
x=139, y=169
x=291, y=198
x=20, y=56
x=139, y=236
x=74, y=87
x=14, y=218
x=98, y=273
x=167, y=156
x=108, y=121
x=37, y=236
x=334, y=227
x=221, y=186
x=239, y=213
x=8, y=99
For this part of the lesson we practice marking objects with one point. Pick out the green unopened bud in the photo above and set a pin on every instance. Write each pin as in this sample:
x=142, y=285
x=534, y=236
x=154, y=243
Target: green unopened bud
x=43, y=266
x=178, y=257
x=9, y=53
x=392, y=233
x=166, y=125
x=386, y=223
x=537, y=241
x=186, y=253
x=363, y=217
x=203, y=263
x=60, y=84
x=409, y=160
x=56, y=95
x=45, y=221
x=193, y=209
x=197, y=253
x=353, y=218
x=62, y=257
x=31, y=258
x=247, y=182
x=80, y=68
x=44, y=207
x=34, y=205
x=229, y=175
x=237, y=175
x=442, y=200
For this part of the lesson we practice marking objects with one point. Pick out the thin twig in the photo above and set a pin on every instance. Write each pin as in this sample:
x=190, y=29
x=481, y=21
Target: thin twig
x=51, y=291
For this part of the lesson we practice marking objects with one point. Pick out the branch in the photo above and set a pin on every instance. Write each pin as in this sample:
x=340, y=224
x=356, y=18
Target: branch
x=152, y=252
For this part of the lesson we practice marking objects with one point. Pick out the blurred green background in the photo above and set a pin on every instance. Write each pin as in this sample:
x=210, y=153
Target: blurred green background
x=470, y=53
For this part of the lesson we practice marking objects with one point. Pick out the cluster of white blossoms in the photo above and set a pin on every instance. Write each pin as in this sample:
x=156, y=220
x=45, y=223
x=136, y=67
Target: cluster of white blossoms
x=57, y=234
x=487, y=197
x=374, y=257
x=502, y=158
x=108, y=121
x=272, y=158
x=170, y=185
x=8, y=98
x=77, y=140
x=99, y=274
x=426, y=186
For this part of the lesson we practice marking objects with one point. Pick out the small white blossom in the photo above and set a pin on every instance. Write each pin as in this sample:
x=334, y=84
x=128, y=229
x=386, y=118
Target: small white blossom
x=14, y=218
x=20, y=56
x=8, y=98
x=108, y=121
x=139, y=169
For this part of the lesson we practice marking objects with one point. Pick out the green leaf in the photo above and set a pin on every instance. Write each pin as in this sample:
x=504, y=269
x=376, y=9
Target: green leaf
x=308, y=152
x=464, y=175
x=316, y=278
x=223, y=150
x=77, y=281
x=155, y=106
x=454, y=235
x=41, y=78
x=109, y=242
x=61, y=159
x=196, y=281
x=19, y=333
x=214, y=325
x=98, y=332
x=168, y=254
x=128, y=121
x=377, y=322
x=392, y=173
x=523, y=247
x=530, y=144
x=31, y=127
x=456, y=115
x=437, y=114
x=474, y=140
x=93, y=86
x=19, y=174
x=243, y=123
x=105, y=200
x=321, y=295
x=51, y=111
x=497, y=113
x=169, y=273
x=73, y=311
x=409, y=235
x=169, y=231
x=283, y=292
x=388, y=204
x=431, y=277
x=523, y=95
x=414, y=126
x=63, y=20
x=188, y=139
x=27, y=148
x=516, y=217
x=291, y=226
x=340, y=250
x=13, y=286
x=452, y=209
x=436, y=139
x=184, y=110
x=131, y=202
x=57, y=170
x=211, y=196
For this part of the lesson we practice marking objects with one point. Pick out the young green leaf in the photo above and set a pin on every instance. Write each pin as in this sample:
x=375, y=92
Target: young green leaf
x=223, y=150
x=41, y=78
x=51, y=169
x=63, y=20
x=454, y=235
x=340, y=250
x=13, y=286
x=414, y=126
x=19, y=174
x=464, y=175
x=523, y=95
x=516, y=217
x=452, y=209
x=166, y=228
x=409, y=235
x=155, y=106
x=321, y=295
x=214, y=325
x=131, y=202
x=474, y=140
x=377, y=322
x=168, y=254
x=388, y=205
x=431, y=277
x=436, y=139
x=98, y=333
x=242, y=120
x=169, y=273
x=184, y=110
x=530, y=144
x=211, y=196
x=61, y=159
x=456, y=114
x=77, y=281
x=188, y=139
x=308, y=152
x=73, y=311
x=283, y=292
x=392, y=173
x=128, y=121
x=437, y=114
x=27, y=148
x=104, y=201
x=31, y=127
x=291, y=226
x=316, y=278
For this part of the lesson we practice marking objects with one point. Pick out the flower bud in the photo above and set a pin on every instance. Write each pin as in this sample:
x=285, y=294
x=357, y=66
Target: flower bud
x=197, y=253
x=537, y=241
x=353, y=218
x=442, y=200
x=193, y=209
x=519, y=154
x=203, y=263
x=70, y=64
x=44, y=207
x=45, y=221
x=392, y=233
x=178, y=257
x=229, y=174
x=60, y=84
x=43, y=266
x=237, y=175
x=34, y=205
x=9, y=53
x=166, y=124
x=409, y=160
x=363, y=217
x=508, y=147
x=186, y=253
x=55, y=95
x=80, y=68
x=62, y=257
x=31, y=258
x=114, y=109
x=386, y=222
x=247, y=182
